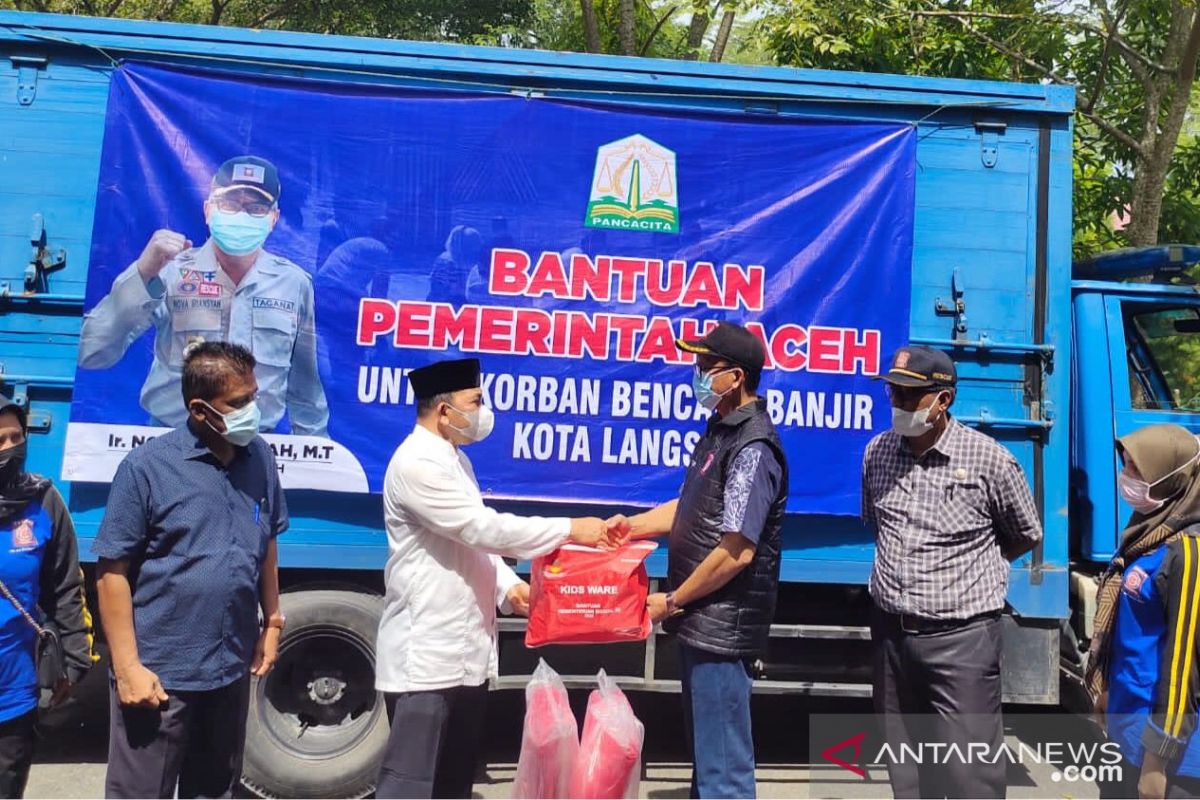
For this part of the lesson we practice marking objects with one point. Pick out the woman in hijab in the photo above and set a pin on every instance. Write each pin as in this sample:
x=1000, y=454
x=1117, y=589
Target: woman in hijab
x=1143, y=666
x=41, y=580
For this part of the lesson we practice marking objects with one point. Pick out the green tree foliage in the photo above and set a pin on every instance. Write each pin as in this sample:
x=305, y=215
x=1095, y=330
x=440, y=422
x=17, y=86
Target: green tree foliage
x=1134, y=62
x=660, y=28
x=559, y=25
x=434, y=20
x=889, y=36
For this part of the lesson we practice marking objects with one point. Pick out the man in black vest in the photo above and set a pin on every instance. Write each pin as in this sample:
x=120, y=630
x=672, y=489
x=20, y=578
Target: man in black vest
x=724, y=558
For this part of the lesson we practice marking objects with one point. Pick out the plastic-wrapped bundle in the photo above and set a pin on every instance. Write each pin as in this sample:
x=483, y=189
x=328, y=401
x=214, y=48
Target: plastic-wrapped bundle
x=609, y=765
x=584, y=595
x=550, y=741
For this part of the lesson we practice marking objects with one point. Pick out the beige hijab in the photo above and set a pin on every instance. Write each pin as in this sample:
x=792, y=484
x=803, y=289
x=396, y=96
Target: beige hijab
x=1166, y=453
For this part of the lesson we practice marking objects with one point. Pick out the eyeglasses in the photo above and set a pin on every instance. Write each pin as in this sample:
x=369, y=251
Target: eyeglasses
x=714, y=370
x=908, y=394
x=231, y=205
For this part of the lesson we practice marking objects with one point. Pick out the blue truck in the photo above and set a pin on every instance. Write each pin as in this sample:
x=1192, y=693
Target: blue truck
x=1053, y=367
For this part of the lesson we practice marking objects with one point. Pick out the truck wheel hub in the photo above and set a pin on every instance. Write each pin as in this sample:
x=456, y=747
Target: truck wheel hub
x=326, y=690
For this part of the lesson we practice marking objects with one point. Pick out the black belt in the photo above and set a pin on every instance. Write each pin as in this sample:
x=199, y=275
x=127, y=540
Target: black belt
x=919, y=625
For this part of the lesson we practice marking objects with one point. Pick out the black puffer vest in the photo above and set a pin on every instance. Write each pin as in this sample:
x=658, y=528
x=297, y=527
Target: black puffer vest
x=736, y=619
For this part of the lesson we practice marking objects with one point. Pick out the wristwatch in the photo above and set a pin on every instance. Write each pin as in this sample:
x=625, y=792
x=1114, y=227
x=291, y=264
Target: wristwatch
x=672, y=609
x=276, y=621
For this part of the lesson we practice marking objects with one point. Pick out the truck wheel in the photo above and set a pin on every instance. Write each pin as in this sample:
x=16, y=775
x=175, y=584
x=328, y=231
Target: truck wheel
x=317, y=727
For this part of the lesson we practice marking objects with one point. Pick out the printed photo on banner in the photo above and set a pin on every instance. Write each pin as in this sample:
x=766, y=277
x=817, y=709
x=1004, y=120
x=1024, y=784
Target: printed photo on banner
x=347, y=235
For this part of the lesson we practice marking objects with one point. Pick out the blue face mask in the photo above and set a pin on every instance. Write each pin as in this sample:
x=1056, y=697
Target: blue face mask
x=702, y=388
x=239, y=234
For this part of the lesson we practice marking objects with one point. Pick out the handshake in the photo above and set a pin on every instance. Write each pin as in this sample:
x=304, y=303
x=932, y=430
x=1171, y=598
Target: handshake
x=607, y=534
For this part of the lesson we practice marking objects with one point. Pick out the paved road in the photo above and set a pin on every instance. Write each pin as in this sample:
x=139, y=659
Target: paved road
x=70, y=761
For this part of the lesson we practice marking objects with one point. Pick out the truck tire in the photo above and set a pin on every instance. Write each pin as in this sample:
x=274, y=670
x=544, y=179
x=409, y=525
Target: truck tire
x=317, y=727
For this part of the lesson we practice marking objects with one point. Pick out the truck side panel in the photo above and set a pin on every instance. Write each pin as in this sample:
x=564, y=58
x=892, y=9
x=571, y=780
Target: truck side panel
x=992, y=221
x=49, y=150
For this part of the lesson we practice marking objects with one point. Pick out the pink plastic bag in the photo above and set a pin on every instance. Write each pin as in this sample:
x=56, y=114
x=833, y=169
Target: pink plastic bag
x=550, y=742
x=609, y=765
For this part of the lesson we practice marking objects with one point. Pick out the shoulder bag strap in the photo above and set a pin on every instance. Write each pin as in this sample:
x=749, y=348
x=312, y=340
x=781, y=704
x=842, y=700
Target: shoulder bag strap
x=28, y=617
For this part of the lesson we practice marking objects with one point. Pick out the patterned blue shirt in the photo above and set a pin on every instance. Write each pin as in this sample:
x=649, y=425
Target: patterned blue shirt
x=750, y=488
x=194, y=533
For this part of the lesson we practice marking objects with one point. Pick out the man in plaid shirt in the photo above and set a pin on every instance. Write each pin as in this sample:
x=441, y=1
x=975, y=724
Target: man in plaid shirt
x=951, y=509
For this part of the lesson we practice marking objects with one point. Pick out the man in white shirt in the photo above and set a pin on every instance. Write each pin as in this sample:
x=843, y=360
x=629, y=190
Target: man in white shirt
x=436, y=648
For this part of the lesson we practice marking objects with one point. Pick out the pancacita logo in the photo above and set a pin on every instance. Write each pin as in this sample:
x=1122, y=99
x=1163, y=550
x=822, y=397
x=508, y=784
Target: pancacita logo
x=634, y=188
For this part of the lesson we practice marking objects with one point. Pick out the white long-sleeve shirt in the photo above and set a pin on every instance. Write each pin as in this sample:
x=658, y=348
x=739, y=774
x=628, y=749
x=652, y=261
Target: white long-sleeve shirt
x=444, y=574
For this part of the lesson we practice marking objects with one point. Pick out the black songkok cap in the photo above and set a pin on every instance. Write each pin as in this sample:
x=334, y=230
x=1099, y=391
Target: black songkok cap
x=441, y=377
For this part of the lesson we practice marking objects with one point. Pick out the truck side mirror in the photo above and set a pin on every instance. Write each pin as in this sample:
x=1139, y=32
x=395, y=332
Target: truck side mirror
x=1187, y=325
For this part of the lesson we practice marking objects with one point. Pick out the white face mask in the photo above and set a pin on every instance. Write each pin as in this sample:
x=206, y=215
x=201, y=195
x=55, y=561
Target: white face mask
x=1136, y=492
x=912, y=423
x=479, y=424
x=241, y=425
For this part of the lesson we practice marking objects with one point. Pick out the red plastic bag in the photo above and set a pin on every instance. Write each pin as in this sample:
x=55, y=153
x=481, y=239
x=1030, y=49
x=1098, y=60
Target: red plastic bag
x=583, y=595
x=609, y=764
x=550, y=742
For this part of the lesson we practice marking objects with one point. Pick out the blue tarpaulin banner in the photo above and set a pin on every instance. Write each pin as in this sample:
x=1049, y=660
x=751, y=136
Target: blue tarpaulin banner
x=566, y=244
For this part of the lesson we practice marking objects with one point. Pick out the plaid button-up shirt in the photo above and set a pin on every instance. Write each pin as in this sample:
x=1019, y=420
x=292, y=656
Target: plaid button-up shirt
x=944, y=523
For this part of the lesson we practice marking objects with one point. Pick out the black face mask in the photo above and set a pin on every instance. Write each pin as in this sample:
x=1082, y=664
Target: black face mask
x=12, y=463
x=17, y=487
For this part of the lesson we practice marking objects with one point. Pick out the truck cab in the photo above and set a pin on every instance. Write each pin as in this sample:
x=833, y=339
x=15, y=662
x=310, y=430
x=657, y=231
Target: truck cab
x=1136, y=362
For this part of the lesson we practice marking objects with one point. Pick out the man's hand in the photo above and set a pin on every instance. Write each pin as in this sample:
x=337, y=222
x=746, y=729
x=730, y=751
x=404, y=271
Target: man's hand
x=265, y=652
x=1152, y=783
x=518, y=599
x=656, y=604
x=592, y=532
x=619, y=527
x=138, y=686
x=62, y=691
x=163, y=246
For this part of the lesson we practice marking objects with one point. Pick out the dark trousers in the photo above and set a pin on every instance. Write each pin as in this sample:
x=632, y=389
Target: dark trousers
x=434, y=744
x=716, y=715
x=196, y=741
x=941, y=687
x=1179, y=787
x=16, y=753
